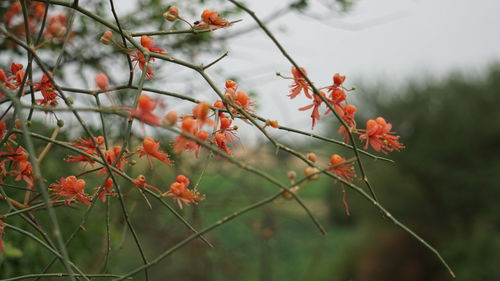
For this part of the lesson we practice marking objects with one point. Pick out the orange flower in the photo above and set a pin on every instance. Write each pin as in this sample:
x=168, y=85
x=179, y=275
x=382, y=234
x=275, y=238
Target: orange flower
x=220, y=141
x=144, y=111
x=240, y=98
x=317, y=101
x=180, y=193
x=189, y=126
x=344, y=171
x=111, y=157
x=299, y=84
x=138, y=56
x=70, y=189
x=147, y=43
x=14, y=9
x=106, y=190
x=141, y=60
x=140, y=182
x=150, y=148
x=212, y=20
x=200, y=113
x=347, y=114
x=379, y=136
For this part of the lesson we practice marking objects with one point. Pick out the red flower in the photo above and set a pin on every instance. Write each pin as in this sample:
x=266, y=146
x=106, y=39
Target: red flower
x=181, y=194
x=338, y=79
x=106, y=190
x=46, y=87
x=140, y=182
x=299, y=84
x=88, y=146
x=70, y=188
x=150, y=148
x=317, y=101
x=212, y=20
x=144, y=111
x=379, y=136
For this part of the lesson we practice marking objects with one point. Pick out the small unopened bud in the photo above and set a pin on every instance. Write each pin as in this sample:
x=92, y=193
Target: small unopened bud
x=171, y=118
x=292, y=175
x=172, y=14
x=70, y=100
x=107, y=38
x=312, y=157
x=272, y=123
x=287, y=195
x=102, y=81
x=308, y=171
x=17, y=124
x=29, y=123
x=60, y=123
x=132, y=162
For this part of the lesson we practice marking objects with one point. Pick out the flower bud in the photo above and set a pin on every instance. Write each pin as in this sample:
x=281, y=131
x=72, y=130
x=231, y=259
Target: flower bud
x=171, y=118
x=292, y=175
x=287, y=195
x=107, y=38
x=102, y=81
x=310, y=171
x=172, y=14
x=272, y=123
x=312, y=157
x=60, y=123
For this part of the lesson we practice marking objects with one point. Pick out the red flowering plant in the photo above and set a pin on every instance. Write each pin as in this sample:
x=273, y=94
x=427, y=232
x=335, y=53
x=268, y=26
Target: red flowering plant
x=106, y=166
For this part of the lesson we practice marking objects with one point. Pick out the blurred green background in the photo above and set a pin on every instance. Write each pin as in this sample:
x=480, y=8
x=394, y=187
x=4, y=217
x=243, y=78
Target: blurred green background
x=444, y=185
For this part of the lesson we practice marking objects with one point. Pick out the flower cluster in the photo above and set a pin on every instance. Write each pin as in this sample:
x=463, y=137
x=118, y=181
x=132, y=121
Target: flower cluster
x=55, y=28
x=377, y=133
